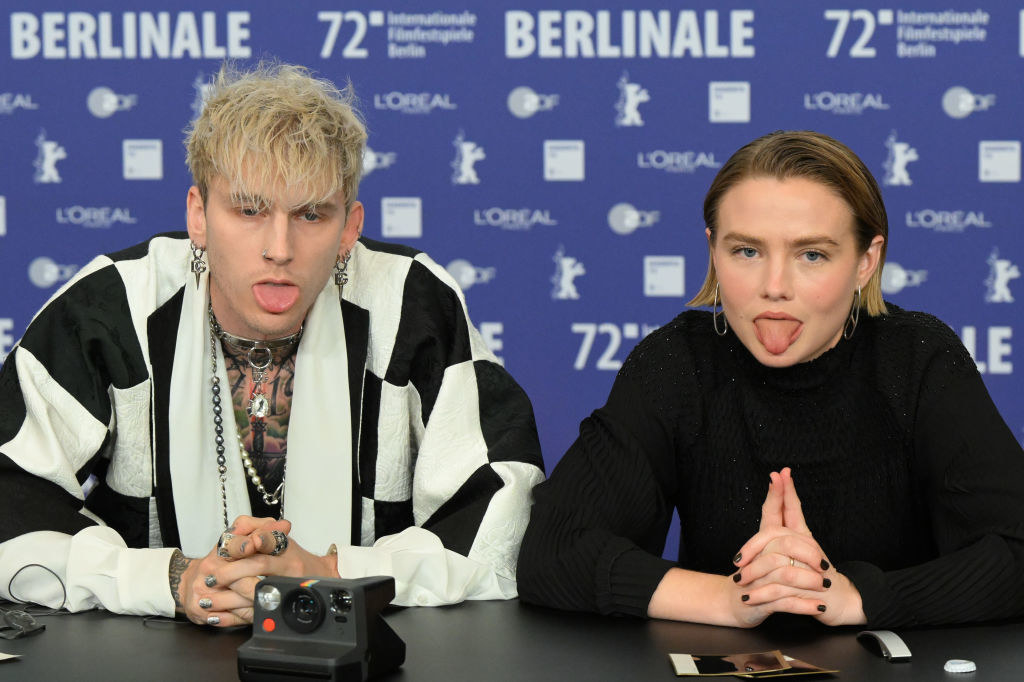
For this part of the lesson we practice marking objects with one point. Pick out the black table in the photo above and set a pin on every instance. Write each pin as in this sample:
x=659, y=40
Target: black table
x=505, y=641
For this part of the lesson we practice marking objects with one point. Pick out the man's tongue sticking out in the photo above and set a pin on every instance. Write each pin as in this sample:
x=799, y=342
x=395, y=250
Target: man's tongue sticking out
x=275, y=298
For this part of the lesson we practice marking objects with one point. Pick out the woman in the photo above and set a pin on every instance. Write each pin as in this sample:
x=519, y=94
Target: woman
x=911, y=502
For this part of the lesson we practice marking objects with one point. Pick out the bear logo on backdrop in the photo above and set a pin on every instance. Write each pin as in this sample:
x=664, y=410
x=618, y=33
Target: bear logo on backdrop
x=631, y=96
x=567, y=269
x=1001, y=271
x=467, y=153
x=900, y=154
x=50, y=152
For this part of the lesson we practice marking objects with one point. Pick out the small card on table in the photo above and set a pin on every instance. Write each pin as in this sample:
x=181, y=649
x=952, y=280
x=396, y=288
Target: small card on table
x=752, y=665
x=728, y=664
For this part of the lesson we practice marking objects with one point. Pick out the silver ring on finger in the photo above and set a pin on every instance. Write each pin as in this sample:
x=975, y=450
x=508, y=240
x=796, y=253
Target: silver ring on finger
x=280, y=542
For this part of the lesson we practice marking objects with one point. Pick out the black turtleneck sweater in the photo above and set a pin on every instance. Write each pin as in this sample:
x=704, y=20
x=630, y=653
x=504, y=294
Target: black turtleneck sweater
x=909, y=479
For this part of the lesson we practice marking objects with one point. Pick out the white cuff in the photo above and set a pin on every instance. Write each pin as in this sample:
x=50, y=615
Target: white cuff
x=147, y=591
x=426, y=574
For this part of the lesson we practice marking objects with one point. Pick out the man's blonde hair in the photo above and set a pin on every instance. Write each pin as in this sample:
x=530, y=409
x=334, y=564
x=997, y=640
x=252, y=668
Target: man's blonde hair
x=273, y=126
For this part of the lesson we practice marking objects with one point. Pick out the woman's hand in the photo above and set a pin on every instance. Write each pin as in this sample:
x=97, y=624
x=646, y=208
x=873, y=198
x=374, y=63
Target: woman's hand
x=783, y=569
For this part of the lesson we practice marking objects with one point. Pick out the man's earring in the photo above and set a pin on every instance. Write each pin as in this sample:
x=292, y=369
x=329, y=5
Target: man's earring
x=198, y=264
x=341, y=270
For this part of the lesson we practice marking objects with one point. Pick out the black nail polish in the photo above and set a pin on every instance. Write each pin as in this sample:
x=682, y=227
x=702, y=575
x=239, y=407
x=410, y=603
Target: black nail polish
x=736, y=577
x=824, y=565
x=826, y=582
x=745, y=597
x=821, y=607
x=736, y=559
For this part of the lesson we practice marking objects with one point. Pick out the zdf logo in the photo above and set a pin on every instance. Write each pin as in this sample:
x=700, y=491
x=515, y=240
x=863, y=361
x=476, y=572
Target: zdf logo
x=625, y=218
x=45, y=272
x=103, y=102
x=959, y=102
x=523, y=102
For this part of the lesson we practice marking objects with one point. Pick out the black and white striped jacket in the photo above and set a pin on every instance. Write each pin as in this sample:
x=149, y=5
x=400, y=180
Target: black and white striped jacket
x=444, y=441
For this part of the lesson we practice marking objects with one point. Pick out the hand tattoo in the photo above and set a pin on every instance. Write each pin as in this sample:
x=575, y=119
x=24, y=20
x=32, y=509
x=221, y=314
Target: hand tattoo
x=178, y=565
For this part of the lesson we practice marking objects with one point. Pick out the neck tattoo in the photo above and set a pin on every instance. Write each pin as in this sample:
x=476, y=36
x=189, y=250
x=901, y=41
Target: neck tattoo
x=260, y=356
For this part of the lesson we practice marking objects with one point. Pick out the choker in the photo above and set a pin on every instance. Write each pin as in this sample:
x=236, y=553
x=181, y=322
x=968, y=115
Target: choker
x=260, y=356
x=242, y=343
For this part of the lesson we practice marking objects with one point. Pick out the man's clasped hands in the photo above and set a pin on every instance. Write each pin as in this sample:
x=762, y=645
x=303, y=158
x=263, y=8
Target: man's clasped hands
x=218, y=589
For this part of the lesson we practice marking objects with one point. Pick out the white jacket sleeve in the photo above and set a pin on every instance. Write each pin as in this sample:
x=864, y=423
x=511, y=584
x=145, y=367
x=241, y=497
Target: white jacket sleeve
x=454, y=461
x=91, y=569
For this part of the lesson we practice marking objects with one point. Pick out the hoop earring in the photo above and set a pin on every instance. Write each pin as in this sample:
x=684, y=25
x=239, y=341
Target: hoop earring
x=341, y=271
x=198, y=265
x=854, y=317
x=715, y=314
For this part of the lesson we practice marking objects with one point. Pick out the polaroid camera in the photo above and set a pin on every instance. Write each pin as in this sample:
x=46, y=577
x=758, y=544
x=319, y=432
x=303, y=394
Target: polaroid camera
x=321, y=628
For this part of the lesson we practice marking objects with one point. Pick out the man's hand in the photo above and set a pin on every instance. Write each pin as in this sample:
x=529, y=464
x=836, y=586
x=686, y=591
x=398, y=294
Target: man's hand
x=783, y=569
x=248, y=536
x=201, y=596
x=271, y=556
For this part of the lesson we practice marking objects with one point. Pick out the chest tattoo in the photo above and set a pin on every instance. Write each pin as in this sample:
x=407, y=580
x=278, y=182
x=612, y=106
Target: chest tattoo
x=265, y=438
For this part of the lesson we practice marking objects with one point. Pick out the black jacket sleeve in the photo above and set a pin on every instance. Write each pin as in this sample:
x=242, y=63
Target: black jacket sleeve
x=598, y=525
x=973, y=471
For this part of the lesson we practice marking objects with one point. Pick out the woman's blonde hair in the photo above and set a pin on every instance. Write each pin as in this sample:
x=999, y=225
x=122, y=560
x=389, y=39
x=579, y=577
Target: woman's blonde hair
x=816, y=157
x=277, y=126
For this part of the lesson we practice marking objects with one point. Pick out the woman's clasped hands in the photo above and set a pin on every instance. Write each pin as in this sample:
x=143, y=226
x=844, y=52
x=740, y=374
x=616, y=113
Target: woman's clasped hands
x=783, y=569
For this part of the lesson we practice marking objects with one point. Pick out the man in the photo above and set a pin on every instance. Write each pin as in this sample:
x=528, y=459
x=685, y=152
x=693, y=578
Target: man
x=269, y=396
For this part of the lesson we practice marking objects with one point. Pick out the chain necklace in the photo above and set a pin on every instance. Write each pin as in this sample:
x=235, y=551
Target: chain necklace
x=258, y=408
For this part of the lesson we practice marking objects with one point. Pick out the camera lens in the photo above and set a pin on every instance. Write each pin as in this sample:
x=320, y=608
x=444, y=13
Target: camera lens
x=303, y=610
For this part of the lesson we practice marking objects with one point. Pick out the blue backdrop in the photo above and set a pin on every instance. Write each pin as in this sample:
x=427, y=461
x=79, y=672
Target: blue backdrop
x=553, y=158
